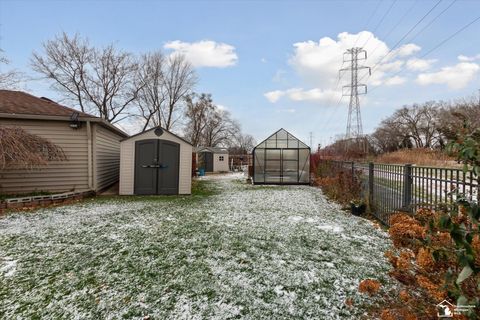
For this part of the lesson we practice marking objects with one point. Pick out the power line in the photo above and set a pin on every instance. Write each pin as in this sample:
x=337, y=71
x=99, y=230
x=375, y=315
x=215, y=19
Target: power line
x=432, y=21
x=395, y=26
x=380, y=22
x=404, y=36
x=441, y=43
x=368, y=21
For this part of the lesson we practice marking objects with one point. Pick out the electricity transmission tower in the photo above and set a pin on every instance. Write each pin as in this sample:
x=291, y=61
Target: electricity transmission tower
x=354, y=122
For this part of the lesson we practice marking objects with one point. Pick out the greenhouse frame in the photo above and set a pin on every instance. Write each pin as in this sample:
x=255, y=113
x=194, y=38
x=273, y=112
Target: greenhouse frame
x=281, y=159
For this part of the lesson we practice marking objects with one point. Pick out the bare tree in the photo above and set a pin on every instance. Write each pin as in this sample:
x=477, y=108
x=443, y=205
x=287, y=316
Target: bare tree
x=243, y=143
x=9, y=79
x=101, y=81
x=220, y=128
x=152, y=95
x=179, y=80
x=197, y=113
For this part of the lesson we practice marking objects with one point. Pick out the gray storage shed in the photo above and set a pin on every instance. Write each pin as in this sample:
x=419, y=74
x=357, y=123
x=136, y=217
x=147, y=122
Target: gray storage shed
x=155, y=161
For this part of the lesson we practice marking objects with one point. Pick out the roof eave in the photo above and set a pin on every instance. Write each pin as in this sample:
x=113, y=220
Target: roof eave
x=62, y=118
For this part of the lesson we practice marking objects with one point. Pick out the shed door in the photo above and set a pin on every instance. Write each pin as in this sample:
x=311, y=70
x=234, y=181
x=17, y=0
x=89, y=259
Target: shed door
x=146, y=156
x=156, y=167
x=169, y=156
x=208, y=158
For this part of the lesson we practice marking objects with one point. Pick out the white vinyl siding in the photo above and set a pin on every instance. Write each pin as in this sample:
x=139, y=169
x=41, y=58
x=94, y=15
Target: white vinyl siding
x=107, y=157
x=127, y=162
x=57, y=176
x=220, y=166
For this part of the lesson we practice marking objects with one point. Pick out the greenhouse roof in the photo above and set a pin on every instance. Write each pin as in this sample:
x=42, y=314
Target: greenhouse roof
x=282, y=139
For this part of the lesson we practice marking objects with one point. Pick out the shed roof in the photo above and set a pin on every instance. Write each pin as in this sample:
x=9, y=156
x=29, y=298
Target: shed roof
x=22, y=105
x=212, y=150
x=143, y=132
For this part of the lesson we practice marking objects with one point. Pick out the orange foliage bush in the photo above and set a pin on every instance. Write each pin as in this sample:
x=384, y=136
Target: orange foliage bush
x=425, y=259
x=405, y=231
x=369, y=286
x=433, y=289
x=421, y=259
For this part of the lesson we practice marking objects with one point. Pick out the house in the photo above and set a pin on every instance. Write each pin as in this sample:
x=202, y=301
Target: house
x=155, y=161
x=213, y=159
x=281, y=159
x=91, y=146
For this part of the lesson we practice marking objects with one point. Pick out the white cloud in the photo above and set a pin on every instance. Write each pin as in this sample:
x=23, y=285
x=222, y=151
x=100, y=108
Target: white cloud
x=464, y=58
x=406, y=50
x=455, y=77
x=300, y=94
x=416, y=64
x=274, y=96
x=396, y=80
x=205, y=53
x=263, y=60
x=318, y=62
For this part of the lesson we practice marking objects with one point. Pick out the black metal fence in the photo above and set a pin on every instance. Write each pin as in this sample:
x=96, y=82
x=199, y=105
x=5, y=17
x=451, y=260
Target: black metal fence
x=390, y=188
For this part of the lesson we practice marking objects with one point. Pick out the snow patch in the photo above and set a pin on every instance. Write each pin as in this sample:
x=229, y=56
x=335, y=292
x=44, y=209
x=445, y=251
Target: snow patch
x=9, y=266
x=330, y=228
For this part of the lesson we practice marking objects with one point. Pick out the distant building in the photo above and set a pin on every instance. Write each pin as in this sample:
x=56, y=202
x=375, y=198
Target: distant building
x=212, y=159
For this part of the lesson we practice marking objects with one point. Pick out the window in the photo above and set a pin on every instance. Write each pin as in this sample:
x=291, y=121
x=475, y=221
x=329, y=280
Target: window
x=220, y=158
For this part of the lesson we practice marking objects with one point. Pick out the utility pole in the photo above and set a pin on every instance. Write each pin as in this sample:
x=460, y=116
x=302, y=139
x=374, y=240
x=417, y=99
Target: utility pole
x=311, y=139
x=354, y=121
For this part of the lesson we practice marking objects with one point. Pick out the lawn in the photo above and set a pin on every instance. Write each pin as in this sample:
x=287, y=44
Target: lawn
x=232, y=250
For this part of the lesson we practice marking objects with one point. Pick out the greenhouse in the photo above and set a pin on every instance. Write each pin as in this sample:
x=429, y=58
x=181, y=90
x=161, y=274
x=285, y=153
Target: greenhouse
x=281, y=159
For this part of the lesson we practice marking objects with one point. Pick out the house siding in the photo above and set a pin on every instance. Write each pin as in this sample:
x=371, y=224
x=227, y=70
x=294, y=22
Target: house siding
x=57, y=176
x=127, y=163
x=107, y=157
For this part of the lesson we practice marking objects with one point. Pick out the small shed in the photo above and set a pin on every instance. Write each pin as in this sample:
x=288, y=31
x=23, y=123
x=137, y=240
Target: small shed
x=281, y=159
x=155, y=161
x=213, y=159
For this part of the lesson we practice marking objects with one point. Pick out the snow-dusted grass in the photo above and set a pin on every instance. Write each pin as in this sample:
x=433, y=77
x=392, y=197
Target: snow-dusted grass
x=245, y=252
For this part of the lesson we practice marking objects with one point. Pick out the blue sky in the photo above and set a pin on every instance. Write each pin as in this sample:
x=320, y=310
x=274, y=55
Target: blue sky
x=265, y=60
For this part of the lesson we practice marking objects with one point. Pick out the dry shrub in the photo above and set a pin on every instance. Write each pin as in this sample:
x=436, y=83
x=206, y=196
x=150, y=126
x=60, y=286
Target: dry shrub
x=422, y=258
x=476, y=249
x=405, y=231
x=397, y=314
x=425, y=259
x=369, y=286
x=337, y=183
x=404, y=295
x=20, y=149
x=426, y=157
x=404, y=261
x=434, y=290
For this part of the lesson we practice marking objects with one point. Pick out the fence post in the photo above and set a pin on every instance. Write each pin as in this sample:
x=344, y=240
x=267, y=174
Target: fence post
x=370, y=184
x=407, y=187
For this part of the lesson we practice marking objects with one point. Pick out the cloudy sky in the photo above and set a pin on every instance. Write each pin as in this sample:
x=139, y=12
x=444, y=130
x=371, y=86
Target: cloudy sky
x=272, y=63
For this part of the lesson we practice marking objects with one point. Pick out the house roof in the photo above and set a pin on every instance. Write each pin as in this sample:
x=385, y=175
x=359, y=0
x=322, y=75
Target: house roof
x=18, y=102
x=22, y=105
x=212, y=149
x=143, y=132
